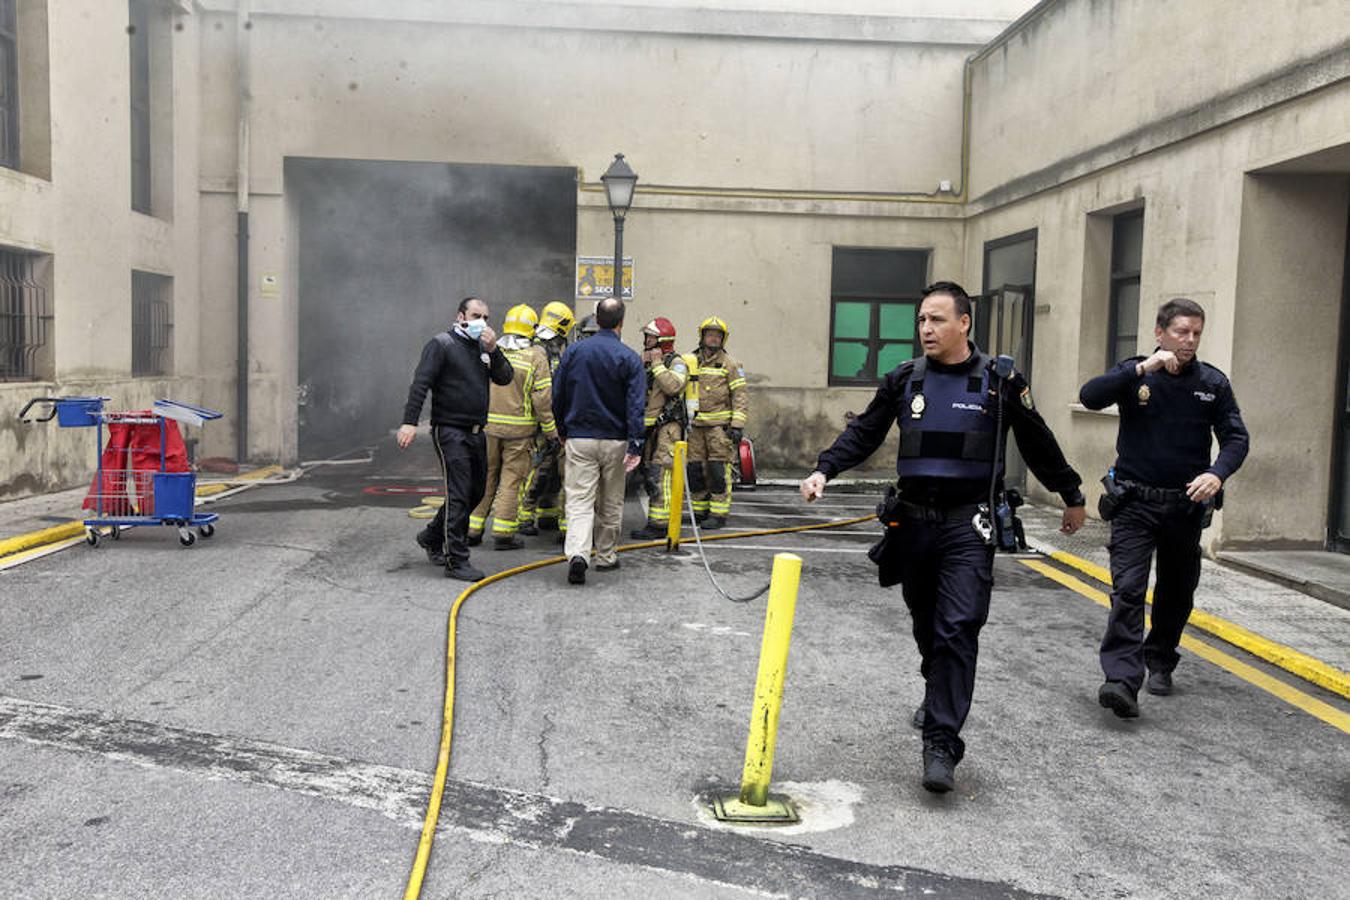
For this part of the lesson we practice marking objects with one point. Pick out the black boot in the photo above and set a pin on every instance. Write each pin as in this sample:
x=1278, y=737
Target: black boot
x=652, y=531
x=434, y=553
x=1117, y=697
x=939, y=769
x=507, y=542
x=529, y=529
x=473, y=540
x=920, y=716
x=712, y=523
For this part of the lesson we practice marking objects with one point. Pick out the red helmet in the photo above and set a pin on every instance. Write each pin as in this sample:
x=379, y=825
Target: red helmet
x=663, y=330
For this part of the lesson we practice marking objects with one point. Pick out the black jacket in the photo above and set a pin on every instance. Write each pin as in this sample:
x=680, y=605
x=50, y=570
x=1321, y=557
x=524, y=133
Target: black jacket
x=456, y=371
x=1039, y=448
x=1166, y=420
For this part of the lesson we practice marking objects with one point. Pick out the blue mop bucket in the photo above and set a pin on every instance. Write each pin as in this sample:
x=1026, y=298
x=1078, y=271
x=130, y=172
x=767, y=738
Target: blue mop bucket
x=175, y=493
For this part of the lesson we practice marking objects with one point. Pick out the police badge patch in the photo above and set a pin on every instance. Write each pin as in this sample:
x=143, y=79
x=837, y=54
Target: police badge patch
x=1144, y=394
x=916, y=406
x=1026, y=399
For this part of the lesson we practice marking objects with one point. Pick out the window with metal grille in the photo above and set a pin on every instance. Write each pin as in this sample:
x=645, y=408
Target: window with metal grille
x=138, y=30
x=25, y=317
x=874, y=296
x=151, y=324
x=1127, y=255
x=9, y=84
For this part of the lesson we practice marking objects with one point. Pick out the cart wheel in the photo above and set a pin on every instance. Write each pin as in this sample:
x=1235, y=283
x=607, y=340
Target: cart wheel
x=91, y=536
x=186, y=538
x=206, y=530
x=117, y=532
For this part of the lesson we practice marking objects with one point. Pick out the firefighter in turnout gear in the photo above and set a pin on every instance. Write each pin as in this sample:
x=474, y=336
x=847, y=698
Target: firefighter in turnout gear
x=664, y=419
x=541, y=494
x=515, y=411
x=718, y=410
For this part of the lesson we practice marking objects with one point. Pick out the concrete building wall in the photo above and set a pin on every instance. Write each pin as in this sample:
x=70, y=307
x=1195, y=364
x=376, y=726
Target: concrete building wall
x=1078, y=84
x=1240, y=244
x=71, y=200
x=756, y=155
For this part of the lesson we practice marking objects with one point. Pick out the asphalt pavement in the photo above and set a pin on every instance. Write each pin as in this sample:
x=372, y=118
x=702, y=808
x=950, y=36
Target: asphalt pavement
x=258, y=715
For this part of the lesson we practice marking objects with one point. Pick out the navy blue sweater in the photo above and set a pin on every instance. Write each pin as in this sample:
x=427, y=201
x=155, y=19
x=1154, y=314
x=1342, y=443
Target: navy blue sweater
x=1166, y=421
x=599, y=391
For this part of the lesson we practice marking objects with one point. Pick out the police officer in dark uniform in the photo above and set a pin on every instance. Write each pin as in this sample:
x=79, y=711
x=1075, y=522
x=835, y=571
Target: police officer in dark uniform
x=1159, y=495
x=953, y=410
x=455, y=368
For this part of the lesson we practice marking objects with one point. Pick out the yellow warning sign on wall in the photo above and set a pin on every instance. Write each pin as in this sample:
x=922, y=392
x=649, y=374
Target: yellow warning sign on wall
x=595, y=277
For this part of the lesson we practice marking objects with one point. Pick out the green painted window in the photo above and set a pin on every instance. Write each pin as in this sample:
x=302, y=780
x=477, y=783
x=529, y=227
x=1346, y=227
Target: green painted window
x=874, y=300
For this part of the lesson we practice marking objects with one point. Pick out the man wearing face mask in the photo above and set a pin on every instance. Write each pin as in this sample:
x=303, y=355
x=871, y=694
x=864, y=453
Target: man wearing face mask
x=455, y=367
x=1159, y=494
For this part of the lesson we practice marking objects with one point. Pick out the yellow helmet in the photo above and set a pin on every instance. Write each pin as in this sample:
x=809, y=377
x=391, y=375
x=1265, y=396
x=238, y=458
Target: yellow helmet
x=557, y=319
x=715, y=323
x=520, y=319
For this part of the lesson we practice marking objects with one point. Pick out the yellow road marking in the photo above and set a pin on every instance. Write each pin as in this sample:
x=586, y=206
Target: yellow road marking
x=1311, y=705
x=1301, y=664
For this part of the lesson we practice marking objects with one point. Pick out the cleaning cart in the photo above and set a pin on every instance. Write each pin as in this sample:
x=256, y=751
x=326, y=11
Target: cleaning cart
x=143, y=476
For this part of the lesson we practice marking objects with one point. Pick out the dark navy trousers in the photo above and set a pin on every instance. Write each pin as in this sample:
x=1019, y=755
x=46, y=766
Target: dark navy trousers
x=463, y=457
x=947, y=573
x=1141, y=527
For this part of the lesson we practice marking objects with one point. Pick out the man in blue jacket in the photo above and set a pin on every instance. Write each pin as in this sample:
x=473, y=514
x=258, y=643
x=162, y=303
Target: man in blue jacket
x=599, y=391
x=1165, y=485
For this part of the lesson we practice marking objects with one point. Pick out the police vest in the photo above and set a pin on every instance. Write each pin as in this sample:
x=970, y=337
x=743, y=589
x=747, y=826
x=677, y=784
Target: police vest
x=947, y=429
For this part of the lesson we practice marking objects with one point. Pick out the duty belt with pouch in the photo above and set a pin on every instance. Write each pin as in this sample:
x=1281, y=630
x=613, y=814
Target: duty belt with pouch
x=885, y=553
x=1113, y=496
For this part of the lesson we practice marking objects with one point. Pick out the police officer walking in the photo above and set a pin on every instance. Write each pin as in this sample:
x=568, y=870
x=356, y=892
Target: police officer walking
x=1159, y=495
x=455, y=368
x=953, y=410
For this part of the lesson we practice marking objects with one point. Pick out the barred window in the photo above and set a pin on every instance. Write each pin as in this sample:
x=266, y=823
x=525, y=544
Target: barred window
x=151, y=324
x=25, y=317
x=9, y=85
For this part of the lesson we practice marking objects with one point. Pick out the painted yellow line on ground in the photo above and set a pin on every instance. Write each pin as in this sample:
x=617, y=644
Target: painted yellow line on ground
x=32, y=553
x=1291, y=695
x=1307, y=667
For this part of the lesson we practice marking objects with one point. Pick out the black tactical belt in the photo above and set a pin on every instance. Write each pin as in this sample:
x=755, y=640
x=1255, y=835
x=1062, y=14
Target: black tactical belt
x=938, y=513
x=1154, y=494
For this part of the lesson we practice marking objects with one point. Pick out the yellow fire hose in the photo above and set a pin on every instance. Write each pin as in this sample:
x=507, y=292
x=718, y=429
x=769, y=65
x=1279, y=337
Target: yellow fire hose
x=419, y=868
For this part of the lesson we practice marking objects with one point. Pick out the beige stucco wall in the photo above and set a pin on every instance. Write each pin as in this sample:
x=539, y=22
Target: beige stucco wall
x=1213, y=233
x=692, y=112
x=81, y=215
x=1080, y=74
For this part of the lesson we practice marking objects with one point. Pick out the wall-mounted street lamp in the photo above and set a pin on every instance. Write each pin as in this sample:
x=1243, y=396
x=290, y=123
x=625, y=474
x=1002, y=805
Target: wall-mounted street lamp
x=619, y=181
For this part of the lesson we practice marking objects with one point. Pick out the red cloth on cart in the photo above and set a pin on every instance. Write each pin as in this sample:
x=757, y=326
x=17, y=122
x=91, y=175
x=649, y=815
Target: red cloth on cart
x=134, y=447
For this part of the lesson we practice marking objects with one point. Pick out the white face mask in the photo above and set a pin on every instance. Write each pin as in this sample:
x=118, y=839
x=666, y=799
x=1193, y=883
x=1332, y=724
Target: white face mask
x=474, y=328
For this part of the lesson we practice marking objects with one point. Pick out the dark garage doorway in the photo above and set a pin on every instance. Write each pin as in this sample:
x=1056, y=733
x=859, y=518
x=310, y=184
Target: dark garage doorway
x=385, y=252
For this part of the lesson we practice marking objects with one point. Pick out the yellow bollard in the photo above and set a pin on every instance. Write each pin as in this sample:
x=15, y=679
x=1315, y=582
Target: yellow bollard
x=676, y=496
x=754, y=804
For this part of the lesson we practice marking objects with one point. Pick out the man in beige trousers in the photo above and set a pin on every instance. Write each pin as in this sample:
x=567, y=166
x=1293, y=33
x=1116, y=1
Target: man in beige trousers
x=599, y=391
